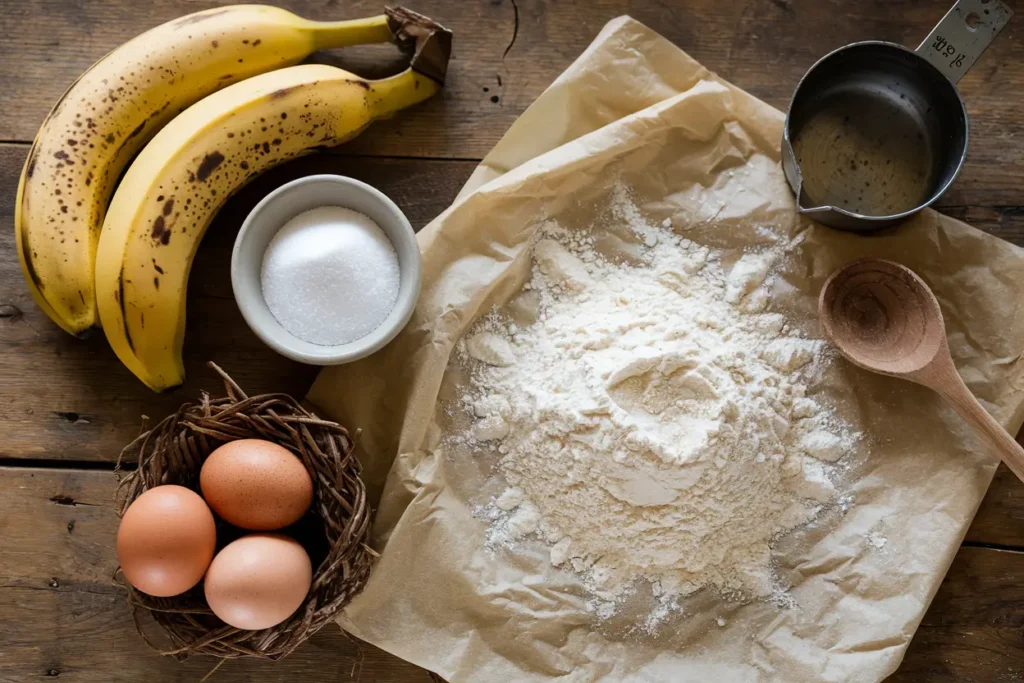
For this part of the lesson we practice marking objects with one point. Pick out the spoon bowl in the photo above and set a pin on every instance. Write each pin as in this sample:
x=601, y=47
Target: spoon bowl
x=882, y=317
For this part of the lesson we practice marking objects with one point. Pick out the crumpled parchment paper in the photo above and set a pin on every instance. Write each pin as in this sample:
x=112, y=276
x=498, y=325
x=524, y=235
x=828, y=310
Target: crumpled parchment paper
x=634, y=109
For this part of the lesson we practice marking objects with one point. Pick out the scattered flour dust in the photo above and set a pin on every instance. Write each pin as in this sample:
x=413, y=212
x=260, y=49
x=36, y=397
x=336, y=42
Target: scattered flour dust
x=652, y=420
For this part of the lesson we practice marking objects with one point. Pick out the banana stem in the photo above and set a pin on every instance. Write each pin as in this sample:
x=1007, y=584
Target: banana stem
x=410, y=87
x=328, y=35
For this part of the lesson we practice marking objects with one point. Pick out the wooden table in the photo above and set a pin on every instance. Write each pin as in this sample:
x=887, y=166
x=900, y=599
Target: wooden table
x=67, y=406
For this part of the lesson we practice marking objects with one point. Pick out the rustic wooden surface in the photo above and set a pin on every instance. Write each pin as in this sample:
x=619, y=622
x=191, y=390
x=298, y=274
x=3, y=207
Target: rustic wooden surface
x=66, y=406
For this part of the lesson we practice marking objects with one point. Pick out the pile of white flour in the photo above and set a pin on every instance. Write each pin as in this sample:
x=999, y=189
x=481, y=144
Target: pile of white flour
x=652, y=417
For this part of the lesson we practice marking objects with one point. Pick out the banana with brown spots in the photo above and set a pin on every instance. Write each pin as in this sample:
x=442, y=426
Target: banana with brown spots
x=178, y=182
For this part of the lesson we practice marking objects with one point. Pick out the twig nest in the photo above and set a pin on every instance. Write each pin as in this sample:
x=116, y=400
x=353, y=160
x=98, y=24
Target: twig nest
x=334, y=532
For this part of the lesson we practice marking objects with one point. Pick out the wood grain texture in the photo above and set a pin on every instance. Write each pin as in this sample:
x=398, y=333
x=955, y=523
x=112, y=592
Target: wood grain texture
x=64, y=618
x=66, y=399
x=62, y=613
x=61, y=399
x=763, y=46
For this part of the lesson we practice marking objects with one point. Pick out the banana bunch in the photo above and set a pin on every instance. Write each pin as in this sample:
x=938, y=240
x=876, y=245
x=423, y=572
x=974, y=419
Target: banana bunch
x=125, y=265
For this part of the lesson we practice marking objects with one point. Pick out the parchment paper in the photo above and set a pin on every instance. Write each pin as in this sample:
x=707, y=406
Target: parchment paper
x=635, y=109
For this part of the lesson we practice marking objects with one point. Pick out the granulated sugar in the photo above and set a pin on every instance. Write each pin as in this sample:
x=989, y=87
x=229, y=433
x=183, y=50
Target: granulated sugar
x=652, y=419
x=330, y=276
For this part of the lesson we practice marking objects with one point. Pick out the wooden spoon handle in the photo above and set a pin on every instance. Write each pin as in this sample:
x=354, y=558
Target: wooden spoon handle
x=968, y=407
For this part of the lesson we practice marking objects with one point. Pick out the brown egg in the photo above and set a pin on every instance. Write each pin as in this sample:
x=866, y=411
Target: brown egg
x=258, y=581
x=256, y=484
x=166, y=540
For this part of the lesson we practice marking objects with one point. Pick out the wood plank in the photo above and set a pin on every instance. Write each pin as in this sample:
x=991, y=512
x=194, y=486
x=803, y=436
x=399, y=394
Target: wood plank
x=63, y=614
x=63, y=398
x=63, y=617
x=764, y=47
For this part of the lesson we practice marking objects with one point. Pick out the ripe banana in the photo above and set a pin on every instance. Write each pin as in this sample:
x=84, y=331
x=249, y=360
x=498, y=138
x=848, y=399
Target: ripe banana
x=173, y=189
x=107, y=115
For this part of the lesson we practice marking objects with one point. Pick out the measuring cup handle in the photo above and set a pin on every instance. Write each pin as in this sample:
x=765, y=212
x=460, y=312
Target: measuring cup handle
x=957, y=41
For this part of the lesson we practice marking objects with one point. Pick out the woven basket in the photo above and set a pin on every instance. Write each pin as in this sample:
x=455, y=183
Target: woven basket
x=335, y=531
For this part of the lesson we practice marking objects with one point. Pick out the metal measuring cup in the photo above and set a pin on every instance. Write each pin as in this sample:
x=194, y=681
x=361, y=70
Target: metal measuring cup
x=876, y=132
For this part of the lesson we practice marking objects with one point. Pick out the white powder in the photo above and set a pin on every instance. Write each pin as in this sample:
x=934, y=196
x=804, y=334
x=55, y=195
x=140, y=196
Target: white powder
x=330, y=276
x=652, y=420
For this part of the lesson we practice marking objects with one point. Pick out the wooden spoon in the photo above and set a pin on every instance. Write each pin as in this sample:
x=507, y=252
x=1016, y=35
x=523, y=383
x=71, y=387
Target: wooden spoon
x=884, y=318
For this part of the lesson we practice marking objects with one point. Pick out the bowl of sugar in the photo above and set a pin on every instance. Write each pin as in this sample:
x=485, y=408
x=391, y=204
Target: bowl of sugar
x=326, y=270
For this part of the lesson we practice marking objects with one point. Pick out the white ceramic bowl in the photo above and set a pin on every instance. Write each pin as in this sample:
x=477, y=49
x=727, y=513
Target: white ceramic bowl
x=287, y=202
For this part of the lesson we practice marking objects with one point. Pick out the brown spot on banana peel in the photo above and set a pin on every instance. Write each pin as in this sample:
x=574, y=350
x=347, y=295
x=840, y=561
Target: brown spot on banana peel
x=206, y=166
x=168, y=206
x=27, y=256
x=30, y=165
x=160, y=232
x=124, y=314
x=281, y=92
x=136, y=132
x=198, y=17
